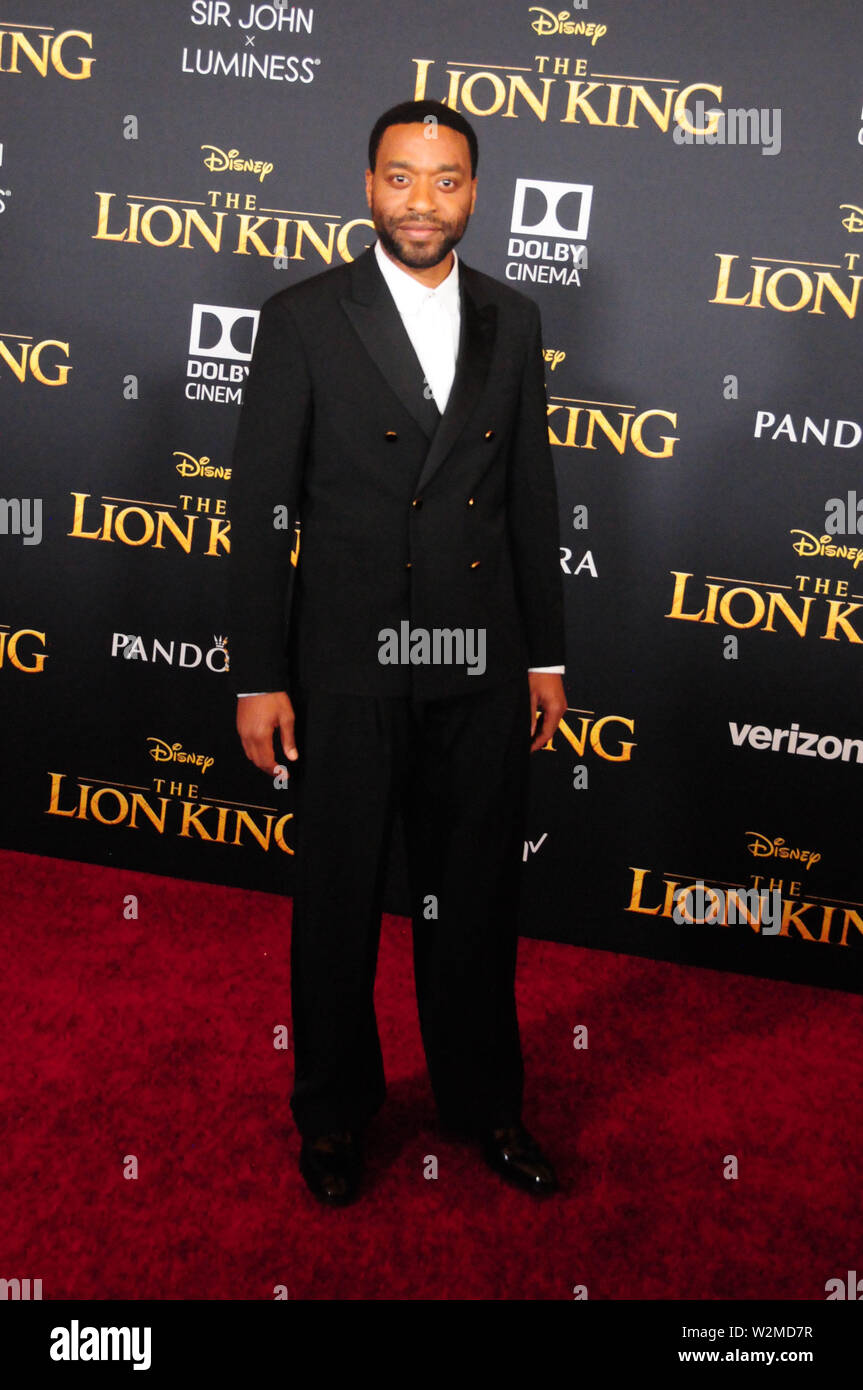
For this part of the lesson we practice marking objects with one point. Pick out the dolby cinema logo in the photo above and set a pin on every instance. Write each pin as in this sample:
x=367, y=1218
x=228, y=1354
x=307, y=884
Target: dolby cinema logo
x=221, y=339
x=548, y=232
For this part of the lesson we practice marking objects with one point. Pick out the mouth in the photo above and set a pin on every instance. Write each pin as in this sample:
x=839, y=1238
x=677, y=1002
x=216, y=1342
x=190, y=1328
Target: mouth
x=420, y=231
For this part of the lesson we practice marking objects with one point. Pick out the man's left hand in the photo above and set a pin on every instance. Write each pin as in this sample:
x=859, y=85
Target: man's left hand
x=547, y=703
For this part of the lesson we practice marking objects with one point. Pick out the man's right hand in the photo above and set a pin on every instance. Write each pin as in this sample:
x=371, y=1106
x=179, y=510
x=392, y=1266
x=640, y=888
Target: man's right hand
x=257, y=717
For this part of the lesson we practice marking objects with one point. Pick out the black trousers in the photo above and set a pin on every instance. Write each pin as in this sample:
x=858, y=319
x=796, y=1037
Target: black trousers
x=457, y=771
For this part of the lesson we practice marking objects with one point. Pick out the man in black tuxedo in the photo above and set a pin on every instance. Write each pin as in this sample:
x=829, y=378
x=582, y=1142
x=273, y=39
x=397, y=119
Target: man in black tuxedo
x=396, y=405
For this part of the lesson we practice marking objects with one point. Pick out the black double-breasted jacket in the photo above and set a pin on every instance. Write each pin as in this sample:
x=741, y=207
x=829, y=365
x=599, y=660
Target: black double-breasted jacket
x=444, y=522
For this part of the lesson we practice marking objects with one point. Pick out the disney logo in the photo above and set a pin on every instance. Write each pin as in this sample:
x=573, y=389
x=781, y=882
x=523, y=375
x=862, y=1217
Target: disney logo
x=220, y=160
x=762, y=847
x=854, y=221
x=563, y=23
x=190, y=467
x=822, y=545
x=163, y=752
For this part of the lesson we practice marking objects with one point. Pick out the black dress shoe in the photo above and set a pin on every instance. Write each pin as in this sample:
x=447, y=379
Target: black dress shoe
x=332, y=1166
x=515, y=1154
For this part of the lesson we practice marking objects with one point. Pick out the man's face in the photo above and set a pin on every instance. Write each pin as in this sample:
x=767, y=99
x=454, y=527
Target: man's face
x=421, y=193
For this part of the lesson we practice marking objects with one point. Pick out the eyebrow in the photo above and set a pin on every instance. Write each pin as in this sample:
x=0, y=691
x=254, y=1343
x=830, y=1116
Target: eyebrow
x=406, y=164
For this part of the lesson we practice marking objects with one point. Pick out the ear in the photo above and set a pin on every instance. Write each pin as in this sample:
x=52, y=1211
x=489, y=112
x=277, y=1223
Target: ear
x=472, y=195
x=369, y=182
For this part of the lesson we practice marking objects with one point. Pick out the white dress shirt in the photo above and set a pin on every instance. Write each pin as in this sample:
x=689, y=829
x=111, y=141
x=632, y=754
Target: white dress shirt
x=432, y=320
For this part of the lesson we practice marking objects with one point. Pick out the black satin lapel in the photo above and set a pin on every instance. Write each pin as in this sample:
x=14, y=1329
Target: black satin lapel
x=476, y=342
x=378, y=324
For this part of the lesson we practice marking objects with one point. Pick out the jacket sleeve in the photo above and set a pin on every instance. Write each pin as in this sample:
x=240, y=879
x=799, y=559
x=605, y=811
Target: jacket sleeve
x=533, y=514
x=266, y=481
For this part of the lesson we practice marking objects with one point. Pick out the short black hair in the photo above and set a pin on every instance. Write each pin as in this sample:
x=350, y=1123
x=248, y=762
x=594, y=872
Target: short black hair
x=415, y=112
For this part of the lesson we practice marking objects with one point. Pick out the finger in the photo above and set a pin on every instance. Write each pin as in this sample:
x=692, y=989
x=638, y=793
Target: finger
x=286, y=731
x=550, y=717
x=537, y=727
x=260, y=752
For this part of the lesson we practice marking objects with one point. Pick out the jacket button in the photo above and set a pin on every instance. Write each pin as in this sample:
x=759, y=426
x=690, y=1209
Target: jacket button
x=474, y=564
x=391, y=436
x=489, y=434
x=408, y=565
x=470, y=501
x=417, y=502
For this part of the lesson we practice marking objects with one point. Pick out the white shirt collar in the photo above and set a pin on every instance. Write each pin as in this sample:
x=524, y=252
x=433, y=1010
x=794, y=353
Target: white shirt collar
x=409, y=293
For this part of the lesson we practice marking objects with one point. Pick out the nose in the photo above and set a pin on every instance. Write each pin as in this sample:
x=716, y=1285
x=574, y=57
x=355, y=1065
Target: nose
x=420, y=198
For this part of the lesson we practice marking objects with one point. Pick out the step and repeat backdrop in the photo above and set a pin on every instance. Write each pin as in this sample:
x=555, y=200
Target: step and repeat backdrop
x=679, y=186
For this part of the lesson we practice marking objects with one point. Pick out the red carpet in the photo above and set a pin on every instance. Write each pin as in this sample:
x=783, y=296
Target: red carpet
x=154, y=1038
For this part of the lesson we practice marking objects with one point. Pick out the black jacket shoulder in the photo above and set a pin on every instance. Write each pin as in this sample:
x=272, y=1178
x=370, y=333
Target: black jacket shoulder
x=332, y=283
x=486, y=289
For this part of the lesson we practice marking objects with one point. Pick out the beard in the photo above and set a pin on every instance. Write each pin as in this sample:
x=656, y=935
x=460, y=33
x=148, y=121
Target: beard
x=418, y=255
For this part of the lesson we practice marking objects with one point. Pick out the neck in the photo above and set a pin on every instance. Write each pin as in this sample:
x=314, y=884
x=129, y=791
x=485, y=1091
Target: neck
x=431, y=275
